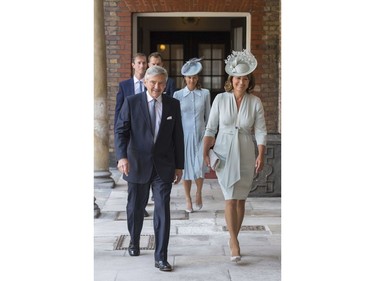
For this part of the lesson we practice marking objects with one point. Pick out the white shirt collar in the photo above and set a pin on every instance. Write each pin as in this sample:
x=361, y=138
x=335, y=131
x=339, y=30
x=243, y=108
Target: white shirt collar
x=187, y=91
x=136, y=80
x=150, y=98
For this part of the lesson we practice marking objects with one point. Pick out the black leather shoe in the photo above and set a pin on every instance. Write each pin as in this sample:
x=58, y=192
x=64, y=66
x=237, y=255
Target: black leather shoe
x=133, y=250
x=163, y=265
x=146, y=214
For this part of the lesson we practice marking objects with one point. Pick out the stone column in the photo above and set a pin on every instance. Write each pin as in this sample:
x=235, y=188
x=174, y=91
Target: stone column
x=102, y=175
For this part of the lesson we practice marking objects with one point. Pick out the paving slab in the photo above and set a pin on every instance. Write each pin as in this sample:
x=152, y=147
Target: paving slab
x=198, y=248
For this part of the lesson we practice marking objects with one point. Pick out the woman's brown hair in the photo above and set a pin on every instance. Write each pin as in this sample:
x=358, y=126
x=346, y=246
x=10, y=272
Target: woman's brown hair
x=198, y=86
x=228, y=86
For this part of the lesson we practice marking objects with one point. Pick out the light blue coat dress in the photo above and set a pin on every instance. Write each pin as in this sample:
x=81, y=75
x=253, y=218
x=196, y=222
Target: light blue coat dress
x=234, y=144
x=195, y=109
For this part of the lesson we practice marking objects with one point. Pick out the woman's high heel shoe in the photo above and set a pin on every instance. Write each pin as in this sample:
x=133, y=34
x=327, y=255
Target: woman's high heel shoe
x=233, y=258
x=189, y=207
x=198, y=206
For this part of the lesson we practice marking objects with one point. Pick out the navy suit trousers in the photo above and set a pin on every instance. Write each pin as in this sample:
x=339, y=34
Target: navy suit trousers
x=137, y=200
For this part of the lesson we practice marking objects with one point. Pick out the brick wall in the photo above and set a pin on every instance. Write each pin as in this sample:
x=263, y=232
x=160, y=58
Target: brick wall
x=265, y=44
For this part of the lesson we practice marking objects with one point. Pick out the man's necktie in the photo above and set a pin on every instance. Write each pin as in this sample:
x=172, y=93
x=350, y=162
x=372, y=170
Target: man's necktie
x=140, y=87
x=153, y=115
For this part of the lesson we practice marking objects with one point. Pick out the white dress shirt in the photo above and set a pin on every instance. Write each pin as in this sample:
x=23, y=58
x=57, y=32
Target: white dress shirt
x=137, y=87
x=158, y=109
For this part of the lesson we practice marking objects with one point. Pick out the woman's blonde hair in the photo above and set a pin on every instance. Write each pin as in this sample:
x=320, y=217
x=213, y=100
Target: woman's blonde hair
x=228, y=86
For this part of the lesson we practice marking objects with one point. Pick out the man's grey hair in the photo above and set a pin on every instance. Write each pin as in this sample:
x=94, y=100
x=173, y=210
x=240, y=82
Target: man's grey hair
x=156, y=70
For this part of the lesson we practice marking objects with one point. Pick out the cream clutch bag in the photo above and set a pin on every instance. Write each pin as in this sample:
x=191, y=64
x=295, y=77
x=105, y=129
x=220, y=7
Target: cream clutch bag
x=214, y=160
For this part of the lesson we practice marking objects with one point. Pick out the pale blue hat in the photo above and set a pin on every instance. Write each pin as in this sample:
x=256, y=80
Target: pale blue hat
x=191, y=67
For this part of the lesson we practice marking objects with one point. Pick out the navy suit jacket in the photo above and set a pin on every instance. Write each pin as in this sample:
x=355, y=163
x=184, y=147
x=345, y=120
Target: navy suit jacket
x=134, y=139
x=170, y=88
x=126, y=88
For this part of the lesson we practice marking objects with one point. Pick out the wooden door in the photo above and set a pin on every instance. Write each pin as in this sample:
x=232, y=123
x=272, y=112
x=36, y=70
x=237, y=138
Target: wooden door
x=178, y=47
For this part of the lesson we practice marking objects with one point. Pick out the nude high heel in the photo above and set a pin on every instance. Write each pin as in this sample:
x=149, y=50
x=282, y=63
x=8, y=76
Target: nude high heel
x=233, y=258
x=189, y=210
x=198, y=206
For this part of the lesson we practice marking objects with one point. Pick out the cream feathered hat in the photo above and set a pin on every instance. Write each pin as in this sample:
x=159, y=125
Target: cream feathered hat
x=240, y=63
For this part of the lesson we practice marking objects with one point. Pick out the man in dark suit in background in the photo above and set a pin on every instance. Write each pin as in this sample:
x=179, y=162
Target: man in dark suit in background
x=155, y=58
x=149, y=146
x=132, y=85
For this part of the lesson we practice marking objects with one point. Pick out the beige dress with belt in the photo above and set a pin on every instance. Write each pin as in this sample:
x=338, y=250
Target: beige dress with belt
x=234, y=144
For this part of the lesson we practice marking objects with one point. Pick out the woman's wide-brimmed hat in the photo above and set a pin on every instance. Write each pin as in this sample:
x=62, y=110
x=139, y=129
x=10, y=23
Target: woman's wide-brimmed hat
x=191, y=67
x=240, y=63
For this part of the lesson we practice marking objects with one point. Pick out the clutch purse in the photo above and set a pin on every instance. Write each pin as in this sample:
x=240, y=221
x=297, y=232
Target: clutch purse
x=214, y=159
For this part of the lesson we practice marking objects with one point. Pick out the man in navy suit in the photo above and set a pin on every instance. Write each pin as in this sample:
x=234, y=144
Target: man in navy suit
x=132, y=86
x=148, y=156
x=155, y=58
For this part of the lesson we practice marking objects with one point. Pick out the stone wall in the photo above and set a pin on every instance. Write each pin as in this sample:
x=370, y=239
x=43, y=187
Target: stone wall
x=268, y=182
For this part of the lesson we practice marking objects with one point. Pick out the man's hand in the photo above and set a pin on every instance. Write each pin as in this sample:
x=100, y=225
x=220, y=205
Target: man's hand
x=123, y=166
x=178, y=176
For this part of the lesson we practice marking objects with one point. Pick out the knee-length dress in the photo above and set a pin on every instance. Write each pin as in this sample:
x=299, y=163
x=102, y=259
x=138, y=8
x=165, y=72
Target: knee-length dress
x=195, y=109
x=234, y=144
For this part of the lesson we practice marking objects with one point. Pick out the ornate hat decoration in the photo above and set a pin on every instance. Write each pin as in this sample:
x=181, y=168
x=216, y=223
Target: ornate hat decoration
x=191, y=67
x=240, y=63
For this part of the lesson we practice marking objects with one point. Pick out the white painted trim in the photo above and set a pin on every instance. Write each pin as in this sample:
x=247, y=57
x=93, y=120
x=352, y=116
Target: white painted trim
x=194, y=14
x=191, y=14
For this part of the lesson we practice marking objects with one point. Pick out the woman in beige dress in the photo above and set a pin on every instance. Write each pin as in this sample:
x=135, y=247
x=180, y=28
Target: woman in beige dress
x=235, y=115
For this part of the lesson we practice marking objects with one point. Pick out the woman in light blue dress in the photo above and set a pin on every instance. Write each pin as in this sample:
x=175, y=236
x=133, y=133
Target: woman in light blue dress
x=234, y=116
x=195, y=105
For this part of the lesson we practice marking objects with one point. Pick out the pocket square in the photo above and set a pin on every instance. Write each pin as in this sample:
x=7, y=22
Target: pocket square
x=169, y=118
